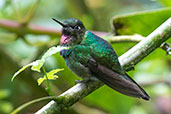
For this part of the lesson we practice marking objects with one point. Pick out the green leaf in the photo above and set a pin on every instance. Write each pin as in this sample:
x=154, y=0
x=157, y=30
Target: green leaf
x=140, y=22
x=50, y=75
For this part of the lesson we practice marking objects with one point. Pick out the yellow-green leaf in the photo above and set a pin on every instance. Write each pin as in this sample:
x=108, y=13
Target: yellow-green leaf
x=40, y=80
x=37, y=65
x=50, y=75
x=20, y=70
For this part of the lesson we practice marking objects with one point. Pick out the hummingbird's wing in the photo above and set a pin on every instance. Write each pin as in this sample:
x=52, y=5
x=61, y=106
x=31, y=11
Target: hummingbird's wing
x=116, y=81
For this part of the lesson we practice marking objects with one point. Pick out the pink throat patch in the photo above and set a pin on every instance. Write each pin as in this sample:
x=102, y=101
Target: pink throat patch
x=65, y=39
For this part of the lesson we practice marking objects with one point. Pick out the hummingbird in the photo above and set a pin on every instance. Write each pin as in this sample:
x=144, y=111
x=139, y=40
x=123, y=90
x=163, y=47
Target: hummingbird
x=93, y=58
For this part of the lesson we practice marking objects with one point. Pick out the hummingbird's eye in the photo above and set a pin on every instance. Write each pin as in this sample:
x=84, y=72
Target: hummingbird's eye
x=77, y=27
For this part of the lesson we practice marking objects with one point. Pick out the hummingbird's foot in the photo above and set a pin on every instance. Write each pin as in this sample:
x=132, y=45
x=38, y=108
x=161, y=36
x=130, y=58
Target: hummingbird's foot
x=130, y=67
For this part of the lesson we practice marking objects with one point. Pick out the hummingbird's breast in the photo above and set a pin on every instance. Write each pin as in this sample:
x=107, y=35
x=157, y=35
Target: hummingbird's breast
x=73, y=62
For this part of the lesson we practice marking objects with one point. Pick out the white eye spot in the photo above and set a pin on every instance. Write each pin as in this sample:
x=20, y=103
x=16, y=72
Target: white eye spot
x=77, y=27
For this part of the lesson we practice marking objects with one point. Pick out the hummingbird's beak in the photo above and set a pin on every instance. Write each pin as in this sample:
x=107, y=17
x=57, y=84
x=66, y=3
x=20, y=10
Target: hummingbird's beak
x=63, y=25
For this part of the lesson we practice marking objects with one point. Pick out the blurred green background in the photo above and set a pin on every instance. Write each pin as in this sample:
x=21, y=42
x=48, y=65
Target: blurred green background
x=19, y=49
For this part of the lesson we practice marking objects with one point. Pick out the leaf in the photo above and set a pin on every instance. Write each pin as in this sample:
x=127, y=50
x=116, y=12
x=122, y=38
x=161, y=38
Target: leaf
x=40, y=80
x=52, y=51
x=20, y=70
x=37, y=65
x=50, y=76
x=140, y=22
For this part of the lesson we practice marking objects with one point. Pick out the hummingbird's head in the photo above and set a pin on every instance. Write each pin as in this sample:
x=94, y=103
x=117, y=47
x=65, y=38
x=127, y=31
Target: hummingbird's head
x=72, y=32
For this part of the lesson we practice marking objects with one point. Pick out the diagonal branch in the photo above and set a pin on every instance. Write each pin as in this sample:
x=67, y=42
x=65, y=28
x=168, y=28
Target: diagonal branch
x=130, y=58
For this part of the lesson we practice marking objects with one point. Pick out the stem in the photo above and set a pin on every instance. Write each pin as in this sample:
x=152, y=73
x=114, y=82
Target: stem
x=49, y=90
x=32, y=102
x=132, y=57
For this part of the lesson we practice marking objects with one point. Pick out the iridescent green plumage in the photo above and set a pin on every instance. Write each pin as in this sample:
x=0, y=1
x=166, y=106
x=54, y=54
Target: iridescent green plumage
x=92, y=58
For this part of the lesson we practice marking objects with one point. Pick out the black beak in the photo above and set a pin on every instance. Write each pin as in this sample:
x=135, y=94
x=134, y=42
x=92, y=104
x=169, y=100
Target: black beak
x=63, y=25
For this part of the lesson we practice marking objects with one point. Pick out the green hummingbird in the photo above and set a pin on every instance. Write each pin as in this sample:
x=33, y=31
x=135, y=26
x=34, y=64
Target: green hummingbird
x=93, y=58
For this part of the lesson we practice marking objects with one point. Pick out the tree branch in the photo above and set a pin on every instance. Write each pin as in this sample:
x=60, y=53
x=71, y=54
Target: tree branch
x=124, y=38
x=130, y=58
x=18, y=28
x=30, y=103
x=21, y=29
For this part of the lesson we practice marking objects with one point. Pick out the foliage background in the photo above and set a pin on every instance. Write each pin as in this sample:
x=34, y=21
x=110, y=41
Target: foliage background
x=16, y=51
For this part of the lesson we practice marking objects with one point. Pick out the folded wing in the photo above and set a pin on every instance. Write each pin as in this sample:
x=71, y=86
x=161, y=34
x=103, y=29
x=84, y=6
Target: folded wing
x=117, y=82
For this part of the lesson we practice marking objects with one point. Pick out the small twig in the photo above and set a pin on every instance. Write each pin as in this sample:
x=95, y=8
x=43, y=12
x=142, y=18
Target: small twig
x=33, y=102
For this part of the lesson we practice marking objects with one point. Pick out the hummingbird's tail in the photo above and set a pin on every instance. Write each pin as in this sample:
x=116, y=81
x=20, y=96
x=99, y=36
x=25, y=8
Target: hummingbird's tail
x=121, y=83
x=125, y=86
x=144, y=95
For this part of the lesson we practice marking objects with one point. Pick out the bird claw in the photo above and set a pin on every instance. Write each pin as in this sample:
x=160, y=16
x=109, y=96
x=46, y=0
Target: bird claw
x=167, y=48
